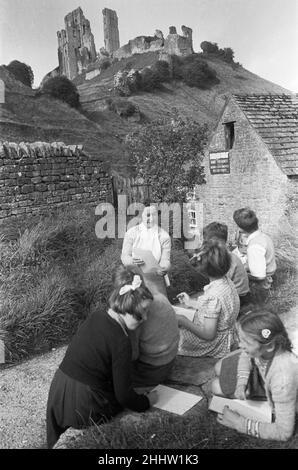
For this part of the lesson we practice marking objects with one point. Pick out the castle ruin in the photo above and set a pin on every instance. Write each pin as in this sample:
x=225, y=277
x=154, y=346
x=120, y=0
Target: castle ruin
x=76, y=47
x=111, y=31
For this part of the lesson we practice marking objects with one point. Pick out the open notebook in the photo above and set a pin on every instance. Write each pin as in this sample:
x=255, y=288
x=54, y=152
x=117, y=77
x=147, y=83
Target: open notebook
x=258, y=410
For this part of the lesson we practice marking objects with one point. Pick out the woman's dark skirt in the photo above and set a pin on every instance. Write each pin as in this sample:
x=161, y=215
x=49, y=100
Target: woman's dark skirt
x=74, y=404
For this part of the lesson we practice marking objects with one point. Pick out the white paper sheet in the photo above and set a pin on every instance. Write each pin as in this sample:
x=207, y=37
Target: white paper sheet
x=146, y=255
x=175, y=401
x=187, y=312
x=258, y=410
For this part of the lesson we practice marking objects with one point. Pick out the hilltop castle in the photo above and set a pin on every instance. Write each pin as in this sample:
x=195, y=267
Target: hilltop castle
x=77, y=52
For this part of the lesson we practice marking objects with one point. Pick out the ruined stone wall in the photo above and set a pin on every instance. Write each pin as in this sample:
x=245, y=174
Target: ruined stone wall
x=40, y=177
x=173, y=44
x=76, y=47
x=255, y=180
x=111, y=31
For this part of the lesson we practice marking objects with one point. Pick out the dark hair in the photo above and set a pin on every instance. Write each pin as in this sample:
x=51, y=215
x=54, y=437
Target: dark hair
x=215, y=230
x=246, y=219
x=213, y=258
x=266, y=328
x=131, y=302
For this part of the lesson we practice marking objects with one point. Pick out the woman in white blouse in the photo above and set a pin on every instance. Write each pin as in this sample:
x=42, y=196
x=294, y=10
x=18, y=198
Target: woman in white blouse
x=148, y=236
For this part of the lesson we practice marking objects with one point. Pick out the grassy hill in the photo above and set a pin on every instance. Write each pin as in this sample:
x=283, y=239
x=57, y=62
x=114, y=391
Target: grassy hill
x=28, y=117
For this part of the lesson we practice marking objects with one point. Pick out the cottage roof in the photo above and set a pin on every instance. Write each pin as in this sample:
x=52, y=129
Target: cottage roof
x=275, y=117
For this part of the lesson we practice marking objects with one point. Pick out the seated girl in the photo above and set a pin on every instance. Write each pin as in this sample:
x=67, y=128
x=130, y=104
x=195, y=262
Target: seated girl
x=93, y=382
x=265, y=346
x=211, y=333
x=155, y=343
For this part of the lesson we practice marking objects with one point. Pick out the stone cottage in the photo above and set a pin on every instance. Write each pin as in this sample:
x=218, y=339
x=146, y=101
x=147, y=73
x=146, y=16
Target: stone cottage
x=252, y=160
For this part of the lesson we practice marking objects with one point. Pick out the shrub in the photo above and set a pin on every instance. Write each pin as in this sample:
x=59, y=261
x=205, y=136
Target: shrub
x=123, y=108
x=209, y=47
x=150, y=79
x=162, y=69
x=105, y=64
x=199, y=74
x=21, y=72
x=63, y=89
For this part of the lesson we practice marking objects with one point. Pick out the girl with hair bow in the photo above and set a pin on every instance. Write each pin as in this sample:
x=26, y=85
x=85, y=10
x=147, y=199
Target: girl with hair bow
x=93, y=382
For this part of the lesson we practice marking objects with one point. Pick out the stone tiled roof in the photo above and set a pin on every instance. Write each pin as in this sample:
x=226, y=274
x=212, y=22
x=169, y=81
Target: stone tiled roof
x=275, y=117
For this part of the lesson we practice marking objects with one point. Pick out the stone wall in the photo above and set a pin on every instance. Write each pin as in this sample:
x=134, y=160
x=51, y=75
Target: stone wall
x=39, y=177
x=173, y=44
x=110, y=29
x=255, y=180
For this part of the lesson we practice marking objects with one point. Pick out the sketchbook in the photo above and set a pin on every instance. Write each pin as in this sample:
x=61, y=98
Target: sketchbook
x=175, y=401
x=187, y=312
x=253, y=409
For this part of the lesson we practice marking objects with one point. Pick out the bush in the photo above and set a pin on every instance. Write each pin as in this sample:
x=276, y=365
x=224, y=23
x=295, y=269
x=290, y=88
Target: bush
x=150, y=79
x=21, y=72
x=199, y=74
x=105, y=64
x=123, y=108
x=62, y=89
x=162, y=69
x=227, y=54
x=209, y=47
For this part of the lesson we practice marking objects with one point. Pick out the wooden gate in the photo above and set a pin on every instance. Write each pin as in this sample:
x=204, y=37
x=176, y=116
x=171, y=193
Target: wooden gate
x=134, y=188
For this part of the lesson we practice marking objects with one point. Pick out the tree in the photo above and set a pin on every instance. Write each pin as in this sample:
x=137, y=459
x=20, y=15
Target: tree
x=228, y=54
x=21, y=72
x=168, y=155
x=209, y=47
x=62, y=89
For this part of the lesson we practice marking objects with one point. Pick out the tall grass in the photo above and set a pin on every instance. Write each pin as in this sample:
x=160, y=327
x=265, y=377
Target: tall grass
x=40, y=303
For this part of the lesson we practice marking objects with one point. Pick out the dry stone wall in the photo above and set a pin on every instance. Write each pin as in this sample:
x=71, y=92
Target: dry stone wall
x=40, y=177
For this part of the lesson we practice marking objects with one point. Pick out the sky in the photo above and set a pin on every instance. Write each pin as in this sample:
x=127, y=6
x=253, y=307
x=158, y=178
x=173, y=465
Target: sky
x=262, y=33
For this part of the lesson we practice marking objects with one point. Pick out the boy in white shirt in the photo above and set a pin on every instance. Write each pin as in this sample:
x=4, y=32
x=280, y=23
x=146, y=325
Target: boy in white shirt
x=261, y=264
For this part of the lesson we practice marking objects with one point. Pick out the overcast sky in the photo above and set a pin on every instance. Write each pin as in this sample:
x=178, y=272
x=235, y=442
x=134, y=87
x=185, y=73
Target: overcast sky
x=262, y=33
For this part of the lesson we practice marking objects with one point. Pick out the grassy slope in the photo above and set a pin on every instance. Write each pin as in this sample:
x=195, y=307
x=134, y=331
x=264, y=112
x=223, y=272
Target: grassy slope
x=25, y=117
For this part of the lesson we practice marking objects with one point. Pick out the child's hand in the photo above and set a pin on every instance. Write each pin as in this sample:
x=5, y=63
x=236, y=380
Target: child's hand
x=152, y=397
x=240, y=392
x=161, y=271
x=231, y=419
x=183, y=298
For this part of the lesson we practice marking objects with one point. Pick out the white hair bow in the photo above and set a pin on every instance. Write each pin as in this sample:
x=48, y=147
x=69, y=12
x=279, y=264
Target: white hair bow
x=137, y=281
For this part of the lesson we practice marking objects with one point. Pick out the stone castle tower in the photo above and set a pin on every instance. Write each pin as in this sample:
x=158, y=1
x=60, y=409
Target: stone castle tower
x=111, y=31
x=76, y=47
